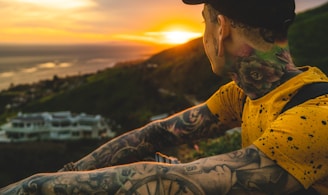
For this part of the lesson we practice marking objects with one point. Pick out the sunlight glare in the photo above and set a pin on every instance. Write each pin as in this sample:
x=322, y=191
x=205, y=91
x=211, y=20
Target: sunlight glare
x=174, y=37
x=179, y=37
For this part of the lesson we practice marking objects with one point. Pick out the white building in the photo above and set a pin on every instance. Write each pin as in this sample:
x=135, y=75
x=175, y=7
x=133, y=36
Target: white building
x=55, y=126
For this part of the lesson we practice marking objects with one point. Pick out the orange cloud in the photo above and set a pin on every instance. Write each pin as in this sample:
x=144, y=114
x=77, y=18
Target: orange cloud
x=78, y=21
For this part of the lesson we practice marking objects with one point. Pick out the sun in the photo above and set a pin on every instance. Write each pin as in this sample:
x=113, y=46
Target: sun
x=171, y=37
x=179, y=37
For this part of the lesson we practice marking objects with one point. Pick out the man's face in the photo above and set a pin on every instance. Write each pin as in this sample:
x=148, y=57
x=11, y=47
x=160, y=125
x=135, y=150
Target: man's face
x=211, y=39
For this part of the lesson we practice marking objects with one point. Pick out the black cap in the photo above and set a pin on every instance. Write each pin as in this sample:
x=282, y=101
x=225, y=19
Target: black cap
x=274, y=15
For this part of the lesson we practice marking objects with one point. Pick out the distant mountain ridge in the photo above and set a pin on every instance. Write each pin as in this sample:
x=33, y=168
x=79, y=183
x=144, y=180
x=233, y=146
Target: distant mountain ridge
x=174, y=79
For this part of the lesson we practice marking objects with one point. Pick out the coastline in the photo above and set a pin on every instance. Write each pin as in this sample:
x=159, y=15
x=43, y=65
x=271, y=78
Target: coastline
x=30, y=64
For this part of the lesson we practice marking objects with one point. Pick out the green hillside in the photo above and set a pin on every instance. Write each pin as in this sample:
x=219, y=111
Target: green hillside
x=308, y=38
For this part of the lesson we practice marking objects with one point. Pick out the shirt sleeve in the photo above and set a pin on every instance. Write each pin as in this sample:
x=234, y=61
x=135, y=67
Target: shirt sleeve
x=298, y=141
x=227, y=104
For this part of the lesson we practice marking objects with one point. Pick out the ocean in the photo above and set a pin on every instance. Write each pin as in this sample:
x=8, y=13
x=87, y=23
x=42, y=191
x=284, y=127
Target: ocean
x=26, y=64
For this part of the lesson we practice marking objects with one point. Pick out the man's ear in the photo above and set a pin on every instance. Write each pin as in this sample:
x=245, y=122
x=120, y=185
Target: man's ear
x=224, y=31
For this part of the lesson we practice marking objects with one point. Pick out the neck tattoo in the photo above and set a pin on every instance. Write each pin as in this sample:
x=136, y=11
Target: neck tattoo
x=257, y=73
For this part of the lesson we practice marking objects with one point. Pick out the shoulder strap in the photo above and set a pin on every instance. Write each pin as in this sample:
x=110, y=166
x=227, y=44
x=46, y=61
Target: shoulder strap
x=307, y=92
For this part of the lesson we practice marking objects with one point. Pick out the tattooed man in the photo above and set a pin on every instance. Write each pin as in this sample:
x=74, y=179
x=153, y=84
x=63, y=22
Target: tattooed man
x=282, y=152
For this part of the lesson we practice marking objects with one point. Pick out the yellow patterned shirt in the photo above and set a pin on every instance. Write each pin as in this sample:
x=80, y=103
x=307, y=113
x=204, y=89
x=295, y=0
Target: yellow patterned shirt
x=296, y=139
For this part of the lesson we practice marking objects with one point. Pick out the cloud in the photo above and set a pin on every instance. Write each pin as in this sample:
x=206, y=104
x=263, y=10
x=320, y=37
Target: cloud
x=64, y=65
x=98, y=19
x=30, y=70
x=58, y=4
x=175, y=36
x=50, y=65
x=47, y=65
x=7, y=74
x=39, y=67
x=60, y=15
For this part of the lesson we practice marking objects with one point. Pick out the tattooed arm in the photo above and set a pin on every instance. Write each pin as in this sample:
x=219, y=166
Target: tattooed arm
x=194, y=123
x=246, y=171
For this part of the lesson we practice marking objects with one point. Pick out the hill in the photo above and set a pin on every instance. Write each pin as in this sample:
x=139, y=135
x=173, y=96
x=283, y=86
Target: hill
x=308, y=38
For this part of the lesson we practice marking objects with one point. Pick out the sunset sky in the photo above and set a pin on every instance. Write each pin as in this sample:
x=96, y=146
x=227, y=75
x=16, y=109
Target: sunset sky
x=94, y=21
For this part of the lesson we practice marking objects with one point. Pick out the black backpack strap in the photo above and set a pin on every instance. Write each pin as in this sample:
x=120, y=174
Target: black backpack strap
x=310, y=191
x=307, y=92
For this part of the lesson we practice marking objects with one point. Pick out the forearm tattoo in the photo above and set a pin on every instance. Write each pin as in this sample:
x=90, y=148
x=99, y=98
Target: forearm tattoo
x=246, y=171
x=197, y=122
